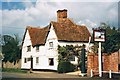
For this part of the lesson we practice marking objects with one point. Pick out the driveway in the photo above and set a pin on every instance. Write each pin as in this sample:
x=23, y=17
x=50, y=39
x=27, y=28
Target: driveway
x=47, y=76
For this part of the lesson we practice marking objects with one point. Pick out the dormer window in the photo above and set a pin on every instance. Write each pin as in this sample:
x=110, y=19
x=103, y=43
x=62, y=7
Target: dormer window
x=28, y=48
x=37, y=48
x=51, y=44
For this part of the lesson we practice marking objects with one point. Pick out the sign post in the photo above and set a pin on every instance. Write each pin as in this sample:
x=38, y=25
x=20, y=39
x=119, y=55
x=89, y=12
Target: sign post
x=100, y=60
x=99, y=36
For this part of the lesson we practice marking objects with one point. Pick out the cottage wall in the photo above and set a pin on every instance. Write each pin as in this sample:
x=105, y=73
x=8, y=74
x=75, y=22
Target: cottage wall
x=51, y=51
x=25, y=54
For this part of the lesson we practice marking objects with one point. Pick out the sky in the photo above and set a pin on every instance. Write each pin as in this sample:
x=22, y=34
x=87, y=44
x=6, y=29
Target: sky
x=16, y=15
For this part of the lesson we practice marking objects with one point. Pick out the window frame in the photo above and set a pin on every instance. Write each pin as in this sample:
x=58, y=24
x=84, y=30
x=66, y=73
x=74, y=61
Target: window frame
x=25, y=60
x=37, y=49
x=71, y=58
x=51, y=61
x=37, y=60
x=28, y=59
x=51, y=44
x=29, y=48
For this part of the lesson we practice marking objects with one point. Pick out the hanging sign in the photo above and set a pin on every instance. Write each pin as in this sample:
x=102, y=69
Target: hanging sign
x=99, y=35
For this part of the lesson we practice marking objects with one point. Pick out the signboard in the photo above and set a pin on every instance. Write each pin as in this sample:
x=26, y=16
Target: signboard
x=99, y=35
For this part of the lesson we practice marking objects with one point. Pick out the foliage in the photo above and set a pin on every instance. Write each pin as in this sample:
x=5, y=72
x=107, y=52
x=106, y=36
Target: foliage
x=112, y=43
x=65, y=66
x=10, y=48
x=13, y=70
x=65, y=53
x=94, y=48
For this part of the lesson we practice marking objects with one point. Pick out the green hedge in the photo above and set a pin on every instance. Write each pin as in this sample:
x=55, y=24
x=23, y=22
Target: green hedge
x=13, y=70
x=65, y=66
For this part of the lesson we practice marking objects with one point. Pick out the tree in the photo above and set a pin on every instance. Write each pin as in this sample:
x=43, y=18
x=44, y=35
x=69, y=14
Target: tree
x=10, y=48
x=112, y=43
x=65, y=52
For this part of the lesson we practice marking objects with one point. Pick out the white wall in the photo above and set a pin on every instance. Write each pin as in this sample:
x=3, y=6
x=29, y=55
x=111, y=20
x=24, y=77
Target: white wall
x=26, y=54
x=52, y=52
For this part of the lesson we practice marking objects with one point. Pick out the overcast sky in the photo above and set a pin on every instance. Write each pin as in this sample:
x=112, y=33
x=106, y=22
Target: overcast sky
x=17, y=14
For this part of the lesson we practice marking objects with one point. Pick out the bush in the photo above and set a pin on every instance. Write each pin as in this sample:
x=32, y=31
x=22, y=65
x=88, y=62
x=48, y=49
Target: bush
x=13, y=70
x=65, y=66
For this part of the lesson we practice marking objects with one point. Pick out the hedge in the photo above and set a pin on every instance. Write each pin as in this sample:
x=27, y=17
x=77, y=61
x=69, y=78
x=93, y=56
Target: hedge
x=65, y=66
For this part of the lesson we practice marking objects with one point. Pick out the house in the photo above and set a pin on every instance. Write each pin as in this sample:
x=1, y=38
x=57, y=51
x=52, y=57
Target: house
x=40, y=45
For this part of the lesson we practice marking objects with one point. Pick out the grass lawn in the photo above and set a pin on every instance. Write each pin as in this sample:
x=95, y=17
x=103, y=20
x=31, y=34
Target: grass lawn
x=13, y=70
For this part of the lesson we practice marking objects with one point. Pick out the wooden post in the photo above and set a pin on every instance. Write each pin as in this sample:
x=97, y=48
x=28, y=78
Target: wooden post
x=91, y=73
x=100, y=60
x=110, y=74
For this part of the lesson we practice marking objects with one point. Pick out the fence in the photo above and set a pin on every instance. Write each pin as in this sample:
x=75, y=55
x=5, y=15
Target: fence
x=109, y=63
x=110, y=73
x=11, y=65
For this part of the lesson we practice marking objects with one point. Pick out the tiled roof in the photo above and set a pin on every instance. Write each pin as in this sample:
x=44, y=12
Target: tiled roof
x=65, y=30
x=38, y=35
x=71, y=32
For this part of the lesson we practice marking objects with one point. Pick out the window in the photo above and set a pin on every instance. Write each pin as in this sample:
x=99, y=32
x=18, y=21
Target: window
x=51, y=44
x=51, y=61
x=25, y=60
x=37, y=59
x=37, y=48
x=71, y=58
x=28, y=59
x=28, y=48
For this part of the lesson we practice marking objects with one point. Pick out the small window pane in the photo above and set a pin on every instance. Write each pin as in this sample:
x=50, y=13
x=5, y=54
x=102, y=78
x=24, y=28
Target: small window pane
x=28, y=59
x=37, y=48
x=51, y=44
x=71, y=58
x=51, y=61
x=25, y=60
x=28, y=48
x=37, y=59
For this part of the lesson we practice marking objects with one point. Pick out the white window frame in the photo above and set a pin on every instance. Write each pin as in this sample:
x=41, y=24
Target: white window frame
x=37, y=60
x=29, y=48
x=37, y=49
x=72, y=58
x=51, y=44
x=51, y=61
x=25, y=60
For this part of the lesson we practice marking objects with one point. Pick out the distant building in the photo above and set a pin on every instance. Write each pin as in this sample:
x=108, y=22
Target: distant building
x=40, y=45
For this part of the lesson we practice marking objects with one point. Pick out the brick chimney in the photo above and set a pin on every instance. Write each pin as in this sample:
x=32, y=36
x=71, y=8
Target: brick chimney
x=61, y=15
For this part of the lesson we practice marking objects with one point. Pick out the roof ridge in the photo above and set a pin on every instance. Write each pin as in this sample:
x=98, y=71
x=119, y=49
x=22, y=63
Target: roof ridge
x=30, y=27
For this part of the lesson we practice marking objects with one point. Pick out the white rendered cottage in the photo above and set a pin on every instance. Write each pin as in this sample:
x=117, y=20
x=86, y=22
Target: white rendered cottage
x=40, y=45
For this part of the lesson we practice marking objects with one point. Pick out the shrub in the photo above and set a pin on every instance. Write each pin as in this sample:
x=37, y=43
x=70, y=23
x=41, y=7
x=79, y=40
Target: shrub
x=65, y=66
x=13, y=70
